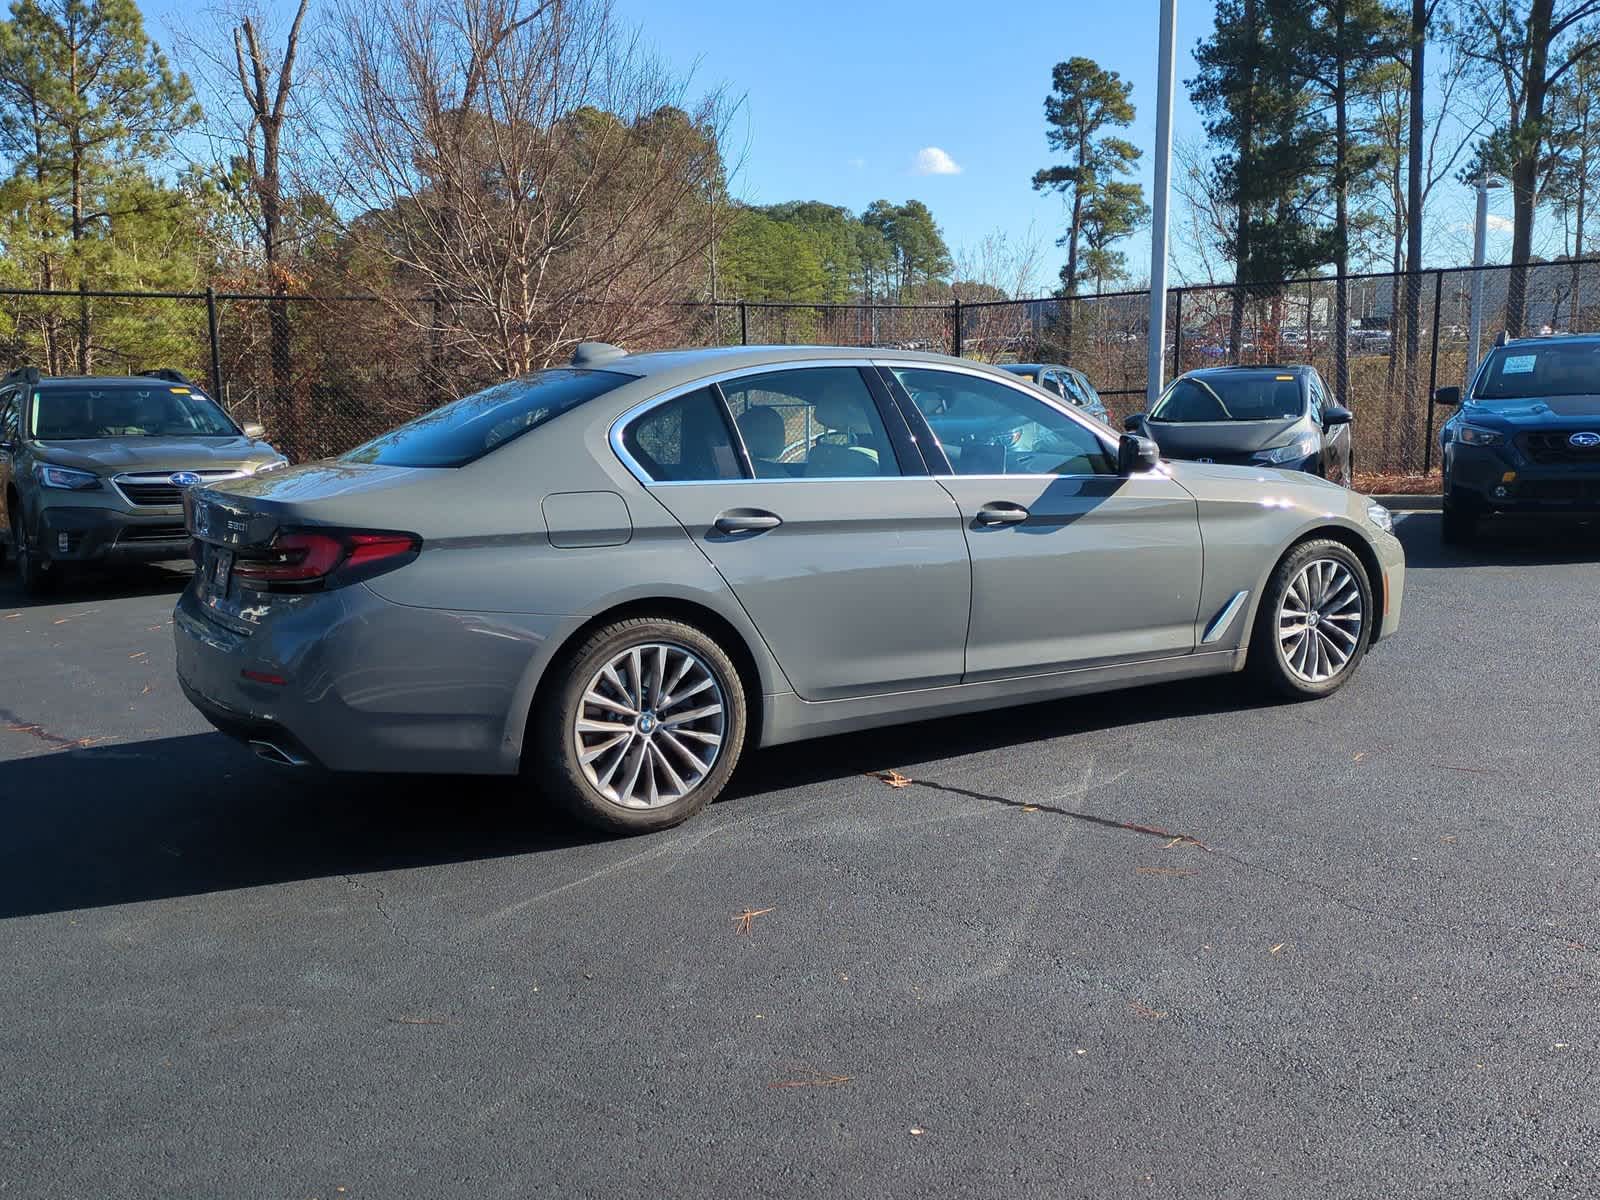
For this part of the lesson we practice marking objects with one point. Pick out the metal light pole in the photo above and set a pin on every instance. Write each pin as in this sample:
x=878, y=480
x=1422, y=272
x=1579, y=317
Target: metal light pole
x=1166, y=67
x=1480, y=229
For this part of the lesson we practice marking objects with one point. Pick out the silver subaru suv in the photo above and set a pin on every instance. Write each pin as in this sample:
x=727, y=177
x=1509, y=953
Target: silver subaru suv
x=93, y=469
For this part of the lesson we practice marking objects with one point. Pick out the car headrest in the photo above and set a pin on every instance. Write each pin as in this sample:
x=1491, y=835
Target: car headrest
x=763, y=432
x=842, y=415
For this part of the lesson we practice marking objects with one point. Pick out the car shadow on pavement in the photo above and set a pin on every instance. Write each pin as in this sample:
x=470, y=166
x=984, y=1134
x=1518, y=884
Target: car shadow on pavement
x=178, y=816
x=144, y=579
x=1502, y=541
x=185, y=815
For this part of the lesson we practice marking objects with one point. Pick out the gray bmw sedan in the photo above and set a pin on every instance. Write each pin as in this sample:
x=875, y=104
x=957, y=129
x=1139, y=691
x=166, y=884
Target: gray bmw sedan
x=615, y=576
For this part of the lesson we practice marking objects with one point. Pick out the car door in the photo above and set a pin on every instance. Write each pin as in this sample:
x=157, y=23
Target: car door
x=10, y=449
x=1073, y=565
x=803, y=487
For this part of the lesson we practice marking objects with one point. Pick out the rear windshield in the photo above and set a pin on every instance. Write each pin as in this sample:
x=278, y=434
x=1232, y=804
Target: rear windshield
x=469, y=428
x=160, y=410
x=1247, y=396
x=1525, y=371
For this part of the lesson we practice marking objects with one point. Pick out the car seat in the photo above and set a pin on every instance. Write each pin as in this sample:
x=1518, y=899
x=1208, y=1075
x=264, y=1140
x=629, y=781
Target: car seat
x=842, y=459
x=764, y=436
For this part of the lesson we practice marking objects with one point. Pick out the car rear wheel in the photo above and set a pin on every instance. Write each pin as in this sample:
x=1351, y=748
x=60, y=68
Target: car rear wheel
x=1315, y=621
x=643, y=726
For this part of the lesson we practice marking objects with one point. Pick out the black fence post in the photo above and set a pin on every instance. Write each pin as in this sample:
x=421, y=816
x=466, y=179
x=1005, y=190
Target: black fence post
x=1177, y=330
x=955, y=327
x=216, y=345
x=744, y=324
x=1433, y=370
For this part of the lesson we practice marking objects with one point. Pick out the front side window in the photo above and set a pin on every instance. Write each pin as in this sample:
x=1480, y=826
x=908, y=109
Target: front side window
x=987, y=428
x=469, y=428
x=69, y=412
x=811, y=423
x=1529, y=371
x=1231, y=396
x=684, y=440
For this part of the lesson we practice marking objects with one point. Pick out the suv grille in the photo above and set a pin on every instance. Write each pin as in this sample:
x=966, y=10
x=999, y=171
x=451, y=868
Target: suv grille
x=1555, y=448
x=153, y=533
x=157, y=488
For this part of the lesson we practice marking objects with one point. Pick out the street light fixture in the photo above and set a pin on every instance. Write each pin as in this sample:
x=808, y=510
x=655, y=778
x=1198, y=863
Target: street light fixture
x=1482, y=183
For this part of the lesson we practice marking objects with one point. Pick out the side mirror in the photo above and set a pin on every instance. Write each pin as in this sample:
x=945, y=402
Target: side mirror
x=7, y=447
x=255, y=429
x=1336, y=414
x=1448, y=396
x=1134, y=423
x=1136, y=455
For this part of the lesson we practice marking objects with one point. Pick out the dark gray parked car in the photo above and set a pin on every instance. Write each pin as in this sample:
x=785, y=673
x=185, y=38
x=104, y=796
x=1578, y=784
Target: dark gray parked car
x=92, y=469
x=616, y=576
x=1253, y=416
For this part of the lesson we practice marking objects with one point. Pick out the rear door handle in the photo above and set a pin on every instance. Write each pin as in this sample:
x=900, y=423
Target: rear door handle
x=1002, y=512
x=746, y=520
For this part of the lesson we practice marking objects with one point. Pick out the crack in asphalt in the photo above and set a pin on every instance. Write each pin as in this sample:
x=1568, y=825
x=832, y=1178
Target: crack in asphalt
x=1570, y=940
x=34, y=730
x=400, y=935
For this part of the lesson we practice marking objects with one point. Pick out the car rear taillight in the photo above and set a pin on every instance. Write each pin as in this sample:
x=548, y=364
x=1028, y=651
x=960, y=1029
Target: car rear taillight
x=309, y=558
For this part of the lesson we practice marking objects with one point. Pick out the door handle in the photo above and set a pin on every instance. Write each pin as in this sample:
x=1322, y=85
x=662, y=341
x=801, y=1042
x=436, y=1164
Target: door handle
x=1002, y=512
x=746, y=520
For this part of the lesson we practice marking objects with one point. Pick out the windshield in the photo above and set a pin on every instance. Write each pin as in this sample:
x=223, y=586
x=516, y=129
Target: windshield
x=1245, y=396
x=118, y=410
x=1525, y=371
x=469, y=428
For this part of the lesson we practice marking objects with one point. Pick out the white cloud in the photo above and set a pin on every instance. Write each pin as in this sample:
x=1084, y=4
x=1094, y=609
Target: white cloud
x=1499, y=224
x=855, y=164
x=931, y=160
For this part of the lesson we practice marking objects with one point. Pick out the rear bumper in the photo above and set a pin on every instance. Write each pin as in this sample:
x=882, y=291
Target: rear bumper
x=66, y=534
x=368, y=685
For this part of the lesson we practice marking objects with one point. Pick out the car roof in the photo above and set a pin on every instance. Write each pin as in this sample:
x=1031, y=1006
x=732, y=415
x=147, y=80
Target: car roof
x=1546, y=338
x=667, y=368
x=1014, y=368
x=115, y=381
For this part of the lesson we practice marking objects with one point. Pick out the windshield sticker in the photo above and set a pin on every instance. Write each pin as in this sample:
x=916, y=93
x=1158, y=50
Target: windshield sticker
x=1518, y=364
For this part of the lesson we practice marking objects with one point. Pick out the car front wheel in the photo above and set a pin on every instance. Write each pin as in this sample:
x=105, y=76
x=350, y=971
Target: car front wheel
x=1314, y=623
x=33, y=573
x=642, y=728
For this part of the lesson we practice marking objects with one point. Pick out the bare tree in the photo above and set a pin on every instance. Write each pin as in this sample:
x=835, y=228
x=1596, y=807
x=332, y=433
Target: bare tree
x=1205, y=217
x=527, y=167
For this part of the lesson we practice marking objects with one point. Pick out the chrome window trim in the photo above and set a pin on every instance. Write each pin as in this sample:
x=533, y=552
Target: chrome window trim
x=148, y=477
x=619, y=423
x=1224, y=619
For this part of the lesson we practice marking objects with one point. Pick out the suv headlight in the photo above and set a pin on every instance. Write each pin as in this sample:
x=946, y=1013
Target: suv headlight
x=1380, y=516
x=66, y=478
x=1303, y=446
x=1473, y=436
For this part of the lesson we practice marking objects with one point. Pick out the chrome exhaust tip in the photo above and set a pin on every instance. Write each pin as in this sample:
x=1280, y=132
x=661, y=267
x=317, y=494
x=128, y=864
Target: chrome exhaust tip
x=276, y=754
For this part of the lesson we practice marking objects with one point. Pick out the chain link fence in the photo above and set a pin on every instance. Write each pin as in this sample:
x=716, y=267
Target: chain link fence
x=325, y=373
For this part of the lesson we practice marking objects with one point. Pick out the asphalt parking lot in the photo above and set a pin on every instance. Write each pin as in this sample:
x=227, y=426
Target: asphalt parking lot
x=1175, y=942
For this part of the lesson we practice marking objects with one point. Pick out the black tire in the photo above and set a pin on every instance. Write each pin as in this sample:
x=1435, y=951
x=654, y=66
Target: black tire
x=1268, y=662
x=33, y=572
x=554, y=764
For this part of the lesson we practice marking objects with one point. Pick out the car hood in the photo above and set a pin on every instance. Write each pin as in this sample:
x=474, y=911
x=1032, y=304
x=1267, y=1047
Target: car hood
x=1559, y=412
x=1268, y=485
x=1188, y=439
x=155, y=454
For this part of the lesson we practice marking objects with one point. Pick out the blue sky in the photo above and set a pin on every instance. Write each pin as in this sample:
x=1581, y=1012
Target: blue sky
x=840, y=97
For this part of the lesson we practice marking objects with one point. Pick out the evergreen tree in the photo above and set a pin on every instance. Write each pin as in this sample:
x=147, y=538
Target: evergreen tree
x=1084, y=101
x=86, y=101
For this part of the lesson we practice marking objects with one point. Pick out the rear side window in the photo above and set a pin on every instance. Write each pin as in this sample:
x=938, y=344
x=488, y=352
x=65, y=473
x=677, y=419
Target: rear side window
x=811, y=423
x=685, y=440
x=8, y=417
x=469, y=428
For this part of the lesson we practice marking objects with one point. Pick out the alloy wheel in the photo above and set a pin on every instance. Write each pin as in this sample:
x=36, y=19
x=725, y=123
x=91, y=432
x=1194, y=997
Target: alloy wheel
x=1319, y=620
x=650, y=726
